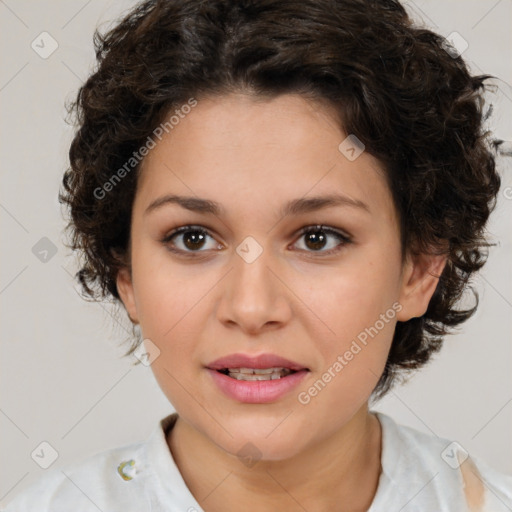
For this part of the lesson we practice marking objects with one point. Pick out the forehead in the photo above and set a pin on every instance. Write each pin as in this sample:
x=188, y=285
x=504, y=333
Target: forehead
x=260, y=152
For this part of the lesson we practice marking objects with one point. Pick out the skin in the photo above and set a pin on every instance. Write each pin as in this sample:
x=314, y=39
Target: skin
x=252, y=156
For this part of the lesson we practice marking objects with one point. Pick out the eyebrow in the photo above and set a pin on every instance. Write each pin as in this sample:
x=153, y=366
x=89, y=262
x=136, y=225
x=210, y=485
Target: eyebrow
x=293, y=207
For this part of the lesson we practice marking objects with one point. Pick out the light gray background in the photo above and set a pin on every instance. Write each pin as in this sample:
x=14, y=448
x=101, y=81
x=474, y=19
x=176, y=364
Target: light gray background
x=63, y=378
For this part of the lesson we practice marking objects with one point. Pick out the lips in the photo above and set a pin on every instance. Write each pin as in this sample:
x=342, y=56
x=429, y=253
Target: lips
x=261, y=361
x=233, y=375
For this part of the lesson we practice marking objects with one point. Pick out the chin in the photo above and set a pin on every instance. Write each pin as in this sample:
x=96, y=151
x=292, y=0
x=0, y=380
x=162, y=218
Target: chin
x=270, y=439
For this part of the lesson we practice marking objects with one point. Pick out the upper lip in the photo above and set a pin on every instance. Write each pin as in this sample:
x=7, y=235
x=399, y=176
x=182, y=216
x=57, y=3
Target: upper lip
x=259, y=361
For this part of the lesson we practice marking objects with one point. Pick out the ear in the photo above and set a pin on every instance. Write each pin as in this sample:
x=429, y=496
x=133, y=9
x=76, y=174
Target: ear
x=419, y=280
x=125, y=289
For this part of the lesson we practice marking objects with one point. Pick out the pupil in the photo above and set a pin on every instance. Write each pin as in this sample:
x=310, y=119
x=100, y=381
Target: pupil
x=317, y=241
x=195, y=237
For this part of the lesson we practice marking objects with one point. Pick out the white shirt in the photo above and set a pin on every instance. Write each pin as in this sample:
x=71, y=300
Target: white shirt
x=417, y=475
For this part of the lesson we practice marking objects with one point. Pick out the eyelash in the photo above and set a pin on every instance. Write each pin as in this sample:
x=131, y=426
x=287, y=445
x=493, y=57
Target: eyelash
x=344, y=239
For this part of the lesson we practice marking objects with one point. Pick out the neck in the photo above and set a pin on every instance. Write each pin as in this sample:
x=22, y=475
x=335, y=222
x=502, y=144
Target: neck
x=340, y=472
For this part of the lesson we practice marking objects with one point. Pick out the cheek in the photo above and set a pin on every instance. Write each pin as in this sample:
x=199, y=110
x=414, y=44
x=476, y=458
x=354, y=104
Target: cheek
x=173, y=309
x=354, y=295
x=170, y=298
x=354, y=357
x=358, y=305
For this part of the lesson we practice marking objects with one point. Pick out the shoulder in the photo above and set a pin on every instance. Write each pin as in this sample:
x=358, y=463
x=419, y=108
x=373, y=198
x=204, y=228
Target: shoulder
x=138, y=476
x=434, y=471
x=96, y=482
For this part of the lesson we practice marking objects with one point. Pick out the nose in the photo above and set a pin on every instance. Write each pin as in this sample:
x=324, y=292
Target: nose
x=254, y=296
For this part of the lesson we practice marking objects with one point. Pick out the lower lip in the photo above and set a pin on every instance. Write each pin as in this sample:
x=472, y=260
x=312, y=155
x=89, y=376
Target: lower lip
x=256, y=391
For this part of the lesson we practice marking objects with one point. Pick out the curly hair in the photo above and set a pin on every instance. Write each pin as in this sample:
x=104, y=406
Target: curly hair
x=392, y=83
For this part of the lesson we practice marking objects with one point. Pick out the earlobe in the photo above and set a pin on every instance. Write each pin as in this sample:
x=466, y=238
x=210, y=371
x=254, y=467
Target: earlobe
x=125, y=289
x=420, y=278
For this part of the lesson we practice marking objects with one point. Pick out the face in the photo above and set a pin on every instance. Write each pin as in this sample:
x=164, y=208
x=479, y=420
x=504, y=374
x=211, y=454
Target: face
x=243, y=278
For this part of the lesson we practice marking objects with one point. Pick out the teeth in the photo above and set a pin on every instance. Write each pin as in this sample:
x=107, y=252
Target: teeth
x=258, y=373
x=247, y=376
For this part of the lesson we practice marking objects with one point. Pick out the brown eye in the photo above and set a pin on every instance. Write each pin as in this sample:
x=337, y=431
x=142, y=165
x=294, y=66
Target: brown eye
x=193, y=239
x=189, y=239
x=317, y=238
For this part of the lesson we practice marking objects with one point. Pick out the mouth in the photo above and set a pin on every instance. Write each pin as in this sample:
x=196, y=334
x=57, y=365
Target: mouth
x=252, y=374
x=260, y=379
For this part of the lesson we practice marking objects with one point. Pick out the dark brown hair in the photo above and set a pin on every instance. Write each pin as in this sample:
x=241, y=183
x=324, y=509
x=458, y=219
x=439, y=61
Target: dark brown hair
x=393, y=84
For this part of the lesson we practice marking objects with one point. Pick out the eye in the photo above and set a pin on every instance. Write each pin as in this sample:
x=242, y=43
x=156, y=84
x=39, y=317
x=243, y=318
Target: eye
x=317, y=237
x=189, y=239
x=193, y=239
